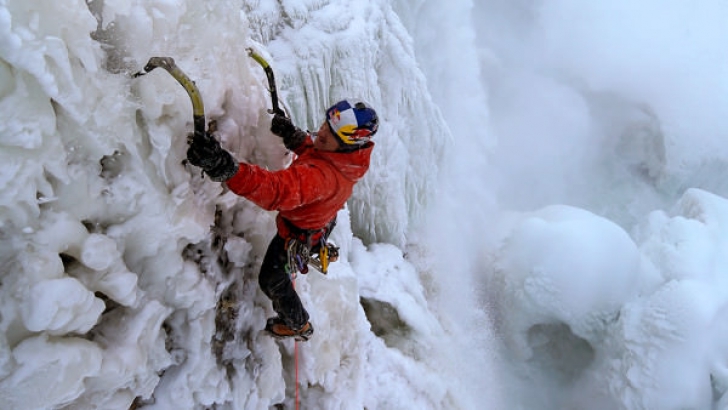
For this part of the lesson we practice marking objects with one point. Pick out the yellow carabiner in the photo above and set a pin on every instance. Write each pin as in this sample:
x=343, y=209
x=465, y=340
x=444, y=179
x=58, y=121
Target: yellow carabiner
x=324, y=258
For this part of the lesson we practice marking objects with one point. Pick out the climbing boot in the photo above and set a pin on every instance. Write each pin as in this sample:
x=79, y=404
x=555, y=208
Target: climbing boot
x=277, y=328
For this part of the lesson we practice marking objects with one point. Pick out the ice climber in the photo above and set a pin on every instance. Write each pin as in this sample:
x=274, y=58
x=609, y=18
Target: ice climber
x=307, y=196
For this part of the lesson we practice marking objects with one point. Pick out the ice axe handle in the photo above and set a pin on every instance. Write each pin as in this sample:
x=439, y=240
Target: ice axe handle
x=271, y=82
x=198, y=107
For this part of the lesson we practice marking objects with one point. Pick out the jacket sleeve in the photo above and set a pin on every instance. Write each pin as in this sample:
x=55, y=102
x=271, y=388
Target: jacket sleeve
x=282, y=190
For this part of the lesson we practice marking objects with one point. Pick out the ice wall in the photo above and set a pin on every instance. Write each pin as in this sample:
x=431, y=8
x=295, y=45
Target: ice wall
x=128, y=279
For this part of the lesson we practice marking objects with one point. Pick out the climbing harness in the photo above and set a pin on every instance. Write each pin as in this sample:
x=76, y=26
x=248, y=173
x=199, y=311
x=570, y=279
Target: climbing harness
x=310, y=247
x=300, y=256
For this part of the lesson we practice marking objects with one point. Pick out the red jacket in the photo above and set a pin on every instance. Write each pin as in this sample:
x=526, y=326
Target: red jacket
x=310, y=191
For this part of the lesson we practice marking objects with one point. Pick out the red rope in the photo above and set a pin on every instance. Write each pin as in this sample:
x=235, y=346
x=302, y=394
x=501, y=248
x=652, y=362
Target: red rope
x=295, y=355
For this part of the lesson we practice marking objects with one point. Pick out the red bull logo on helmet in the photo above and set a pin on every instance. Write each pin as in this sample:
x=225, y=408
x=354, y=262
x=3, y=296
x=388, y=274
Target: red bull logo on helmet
x=352, y=124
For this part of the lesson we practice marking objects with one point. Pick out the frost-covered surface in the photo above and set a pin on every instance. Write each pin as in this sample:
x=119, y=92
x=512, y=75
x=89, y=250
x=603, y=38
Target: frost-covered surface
x=130, y=281
x=600, y=320
x=544, y=224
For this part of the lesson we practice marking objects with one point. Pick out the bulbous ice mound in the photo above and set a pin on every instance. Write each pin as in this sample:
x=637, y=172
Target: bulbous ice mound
x=562, y=265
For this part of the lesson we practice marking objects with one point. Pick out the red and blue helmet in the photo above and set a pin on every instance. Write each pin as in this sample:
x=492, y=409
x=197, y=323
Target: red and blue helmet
x=354, y=124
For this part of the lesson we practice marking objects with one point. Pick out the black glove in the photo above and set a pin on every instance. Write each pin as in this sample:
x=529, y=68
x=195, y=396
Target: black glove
x=292, y=136
x=282, y=126
x=206, y=153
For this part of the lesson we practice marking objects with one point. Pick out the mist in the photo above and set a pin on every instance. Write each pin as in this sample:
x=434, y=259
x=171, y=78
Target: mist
x=620, y=104
x=617, y=108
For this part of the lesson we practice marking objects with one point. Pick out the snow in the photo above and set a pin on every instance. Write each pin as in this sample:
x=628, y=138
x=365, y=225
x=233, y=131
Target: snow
x=544, y=223
x=557, y=266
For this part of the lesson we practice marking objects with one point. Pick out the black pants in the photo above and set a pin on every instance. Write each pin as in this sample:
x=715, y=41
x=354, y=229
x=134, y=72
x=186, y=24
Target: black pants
x=275, y=282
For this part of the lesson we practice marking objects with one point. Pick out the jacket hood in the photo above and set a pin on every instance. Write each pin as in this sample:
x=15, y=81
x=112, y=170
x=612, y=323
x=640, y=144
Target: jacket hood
x=352, y=165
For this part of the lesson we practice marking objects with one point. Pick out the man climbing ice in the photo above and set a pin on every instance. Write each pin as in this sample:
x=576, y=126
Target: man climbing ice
x=307, y=196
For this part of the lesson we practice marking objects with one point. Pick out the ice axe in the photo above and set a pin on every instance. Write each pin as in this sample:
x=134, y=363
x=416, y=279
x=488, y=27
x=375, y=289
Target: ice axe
x=271, y=81
x=198, y=108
